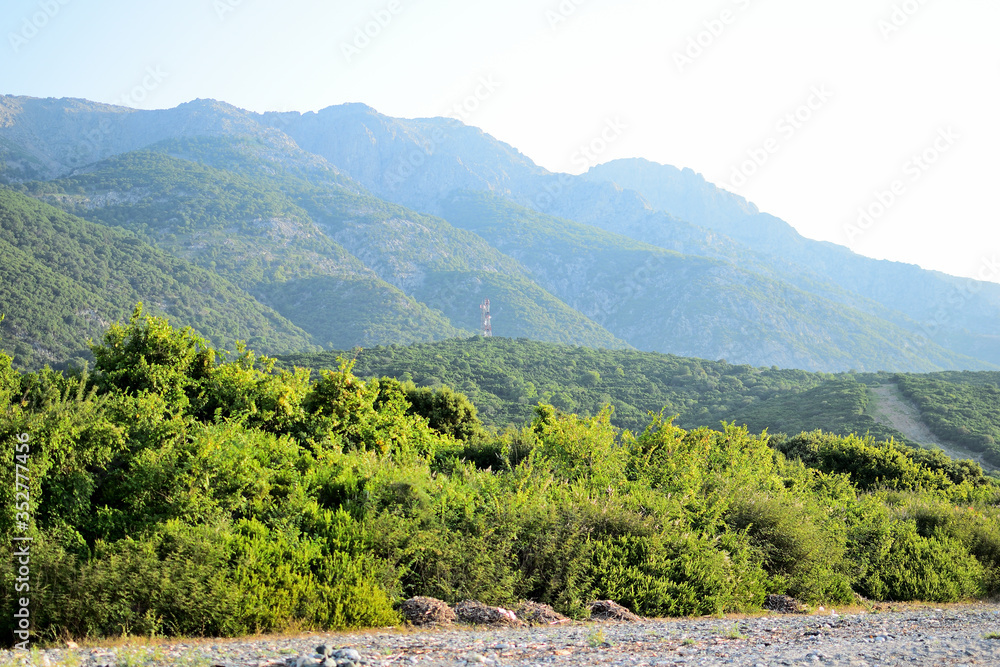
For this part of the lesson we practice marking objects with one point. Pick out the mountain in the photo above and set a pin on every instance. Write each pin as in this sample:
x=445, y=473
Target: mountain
x=360, y=229
x=671, y=208
x=693, y=306
x=957, y=312
x=64, y=279
x=346, y=267
x=252, y=235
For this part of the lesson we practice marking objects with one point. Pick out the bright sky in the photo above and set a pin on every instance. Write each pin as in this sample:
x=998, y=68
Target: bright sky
x=812, y=110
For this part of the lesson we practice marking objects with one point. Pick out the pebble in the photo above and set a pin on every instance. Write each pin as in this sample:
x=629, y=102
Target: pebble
x=917, y=636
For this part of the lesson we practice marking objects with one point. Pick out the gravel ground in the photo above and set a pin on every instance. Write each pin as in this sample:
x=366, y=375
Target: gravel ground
x=954, y=635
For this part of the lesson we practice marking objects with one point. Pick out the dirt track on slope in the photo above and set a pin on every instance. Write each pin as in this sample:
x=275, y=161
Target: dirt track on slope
x=892, y=409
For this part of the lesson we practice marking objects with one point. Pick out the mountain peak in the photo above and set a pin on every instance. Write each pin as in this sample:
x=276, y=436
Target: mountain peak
x=211, y=105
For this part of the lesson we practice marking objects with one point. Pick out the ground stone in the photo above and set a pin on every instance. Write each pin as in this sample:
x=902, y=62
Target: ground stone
x=536, y=613
x=606, y=610
x=422, y=610
x=783, y=604
x=477, y=613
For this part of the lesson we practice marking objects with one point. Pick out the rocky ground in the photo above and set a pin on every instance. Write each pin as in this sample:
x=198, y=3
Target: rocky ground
x=916, y=635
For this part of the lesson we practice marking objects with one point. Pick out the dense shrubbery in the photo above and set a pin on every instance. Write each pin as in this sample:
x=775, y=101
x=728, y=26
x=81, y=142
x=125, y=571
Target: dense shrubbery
x=176, y=490
x=505, y=378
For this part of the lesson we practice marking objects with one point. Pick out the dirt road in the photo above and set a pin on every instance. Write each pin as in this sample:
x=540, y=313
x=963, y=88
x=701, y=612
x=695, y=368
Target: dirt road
x=892, y=409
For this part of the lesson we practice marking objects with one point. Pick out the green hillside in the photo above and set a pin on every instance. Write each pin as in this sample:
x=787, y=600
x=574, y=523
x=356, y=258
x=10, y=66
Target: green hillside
x=959, y=407
x=346, y=267
x=506, y=378
x=665, y=301
x=295, y=210
x=64, y=279
x=247, y=230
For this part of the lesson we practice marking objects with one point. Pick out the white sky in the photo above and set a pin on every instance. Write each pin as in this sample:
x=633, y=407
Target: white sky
x=559, y=83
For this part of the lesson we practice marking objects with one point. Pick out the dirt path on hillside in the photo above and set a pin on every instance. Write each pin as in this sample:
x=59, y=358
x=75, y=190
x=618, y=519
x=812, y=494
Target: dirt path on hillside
x=891, y=408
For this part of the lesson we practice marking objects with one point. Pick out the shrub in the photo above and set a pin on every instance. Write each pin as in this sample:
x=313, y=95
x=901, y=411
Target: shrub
x=446, y=411
x=677, y=574
x=895, y=562
x=172, y=582
x=328, y=580
x=870, y=464
x=799, y=546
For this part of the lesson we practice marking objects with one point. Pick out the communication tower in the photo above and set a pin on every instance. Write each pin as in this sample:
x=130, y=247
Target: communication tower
x=487, y=323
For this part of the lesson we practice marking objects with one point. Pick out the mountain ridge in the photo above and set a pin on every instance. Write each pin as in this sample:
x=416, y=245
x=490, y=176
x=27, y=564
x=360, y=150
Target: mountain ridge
x=758, y=292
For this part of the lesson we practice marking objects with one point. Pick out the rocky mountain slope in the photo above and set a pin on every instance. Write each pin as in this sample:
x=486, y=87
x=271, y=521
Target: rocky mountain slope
x=360, y=229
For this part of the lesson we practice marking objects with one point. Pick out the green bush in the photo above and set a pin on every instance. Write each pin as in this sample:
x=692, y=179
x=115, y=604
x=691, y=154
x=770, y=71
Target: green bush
x=679, y=574
x=174, y=582
x=328, y=580
x=799, y=546
x=894, y=562
x=870, y=464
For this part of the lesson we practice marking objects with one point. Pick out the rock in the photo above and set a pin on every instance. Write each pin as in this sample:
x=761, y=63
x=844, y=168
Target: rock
x=783, y=604
x=347, y=654
x=477, y=613
x=424, y=611
x=324, y=650
x=607, y=610
x=535, y=613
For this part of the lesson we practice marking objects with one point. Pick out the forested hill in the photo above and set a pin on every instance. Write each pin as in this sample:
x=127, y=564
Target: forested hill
x=506, y=378
x=63, y=280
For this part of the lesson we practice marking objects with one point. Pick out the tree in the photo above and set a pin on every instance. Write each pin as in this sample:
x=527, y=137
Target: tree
x=148, y=355
x=447, y=411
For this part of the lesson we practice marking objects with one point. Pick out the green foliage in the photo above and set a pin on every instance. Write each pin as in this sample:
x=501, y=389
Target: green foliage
x=182, y=490
x=148, y=355
x=678, y=575
x=897, y=563
x=173, y=582
x=840, y=405
x=365, y=415
x=801, y=548
x=323, y=579
x=446, y=410
x=63, y=279
x=249, y=213
x=870, y=464
x=505, y=379
x=250, y=231
x=578, y=450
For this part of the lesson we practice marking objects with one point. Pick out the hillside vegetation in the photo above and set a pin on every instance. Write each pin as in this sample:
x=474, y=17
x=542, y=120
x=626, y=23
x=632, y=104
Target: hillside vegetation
x=179, y=490
x=63, y=280
x=348, y=268
x=963, y=408
x=685, y=304
x=506, y=378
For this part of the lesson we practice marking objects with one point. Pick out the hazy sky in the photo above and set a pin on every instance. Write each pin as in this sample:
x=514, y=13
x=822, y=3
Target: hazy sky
x=812, y=110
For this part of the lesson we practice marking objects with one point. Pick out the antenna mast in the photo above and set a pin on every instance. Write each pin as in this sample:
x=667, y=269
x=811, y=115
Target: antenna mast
x=487, y=323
